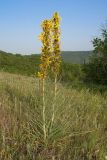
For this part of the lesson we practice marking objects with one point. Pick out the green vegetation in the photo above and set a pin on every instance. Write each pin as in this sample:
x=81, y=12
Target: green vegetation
x=74, y=75
x=28, y=65
x=80, y=126
x=79, y=106
x=96, y=69
x=76, y=57
x=20, y=64
x=71, y=72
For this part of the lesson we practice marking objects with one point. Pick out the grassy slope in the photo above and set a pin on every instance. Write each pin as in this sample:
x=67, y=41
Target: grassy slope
x=79, y=130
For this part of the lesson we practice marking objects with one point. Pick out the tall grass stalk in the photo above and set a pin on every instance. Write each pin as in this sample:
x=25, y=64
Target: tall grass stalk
x=54, y=101
x=56, y=57
x=44, y=108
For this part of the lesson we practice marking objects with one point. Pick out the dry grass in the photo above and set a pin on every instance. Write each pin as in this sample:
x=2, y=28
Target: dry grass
x=80, y=126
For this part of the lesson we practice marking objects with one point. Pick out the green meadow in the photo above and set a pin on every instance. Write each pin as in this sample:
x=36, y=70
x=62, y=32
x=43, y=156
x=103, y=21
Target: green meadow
x=80, y=126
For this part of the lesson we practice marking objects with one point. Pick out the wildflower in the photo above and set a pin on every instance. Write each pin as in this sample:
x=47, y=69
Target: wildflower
x=56, y=59
x=46, y=48
x=50, y=58
x=40, y=75
x=45, y=61
x=41, y=36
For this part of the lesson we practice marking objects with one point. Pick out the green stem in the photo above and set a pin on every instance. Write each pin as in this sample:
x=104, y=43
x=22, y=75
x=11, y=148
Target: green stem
x=44, y=108
x=54, y=102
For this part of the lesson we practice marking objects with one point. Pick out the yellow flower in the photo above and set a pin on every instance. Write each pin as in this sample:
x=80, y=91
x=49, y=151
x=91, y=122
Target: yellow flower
x=56, y=60
x=50, y=51
x=45, y=37
x=41, y=37
x=40, y=75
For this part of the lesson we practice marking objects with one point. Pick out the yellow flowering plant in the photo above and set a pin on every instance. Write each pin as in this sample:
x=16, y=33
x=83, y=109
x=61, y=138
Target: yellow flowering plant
x=56, y=58
x=50, y=59
x=45, y=62
x=46, y=49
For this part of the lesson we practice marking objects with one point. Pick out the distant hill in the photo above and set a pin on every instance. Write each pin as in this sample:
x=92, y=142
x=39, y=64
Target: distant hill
x=17, y=63
x=77, y=57
x=29, y=64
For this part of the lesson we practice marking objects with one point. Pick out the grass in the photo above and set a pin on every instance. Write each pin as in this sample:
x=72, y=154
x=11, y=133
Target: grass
x=79, y=131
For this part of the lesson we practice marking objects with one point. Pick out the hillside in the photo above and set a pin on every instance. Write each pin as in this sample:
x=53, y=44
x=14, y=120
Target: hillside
x=79, y=128
x=29, y=65
x=17, y=63
x=78, y=57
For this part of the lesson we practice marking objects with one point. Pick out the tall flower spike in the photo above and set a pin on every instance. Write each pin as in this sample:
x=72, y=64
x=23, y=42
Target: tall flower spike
x=46, y=48
x=45, y=62
x=56, y=58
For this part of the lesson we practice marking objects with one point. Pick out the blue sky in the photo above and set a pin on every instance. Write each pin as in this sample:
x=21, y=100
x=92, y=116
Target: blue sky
x=20, y=23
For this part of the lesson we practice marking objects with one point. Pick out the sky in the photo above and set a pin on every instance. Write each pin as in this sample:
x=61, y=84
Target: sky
x=20, y=23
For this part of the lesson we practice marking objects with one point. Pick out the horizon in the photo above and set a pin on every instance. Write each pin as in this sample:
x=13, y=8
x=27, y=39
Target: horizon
x=15, y=53
x=20, y=24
